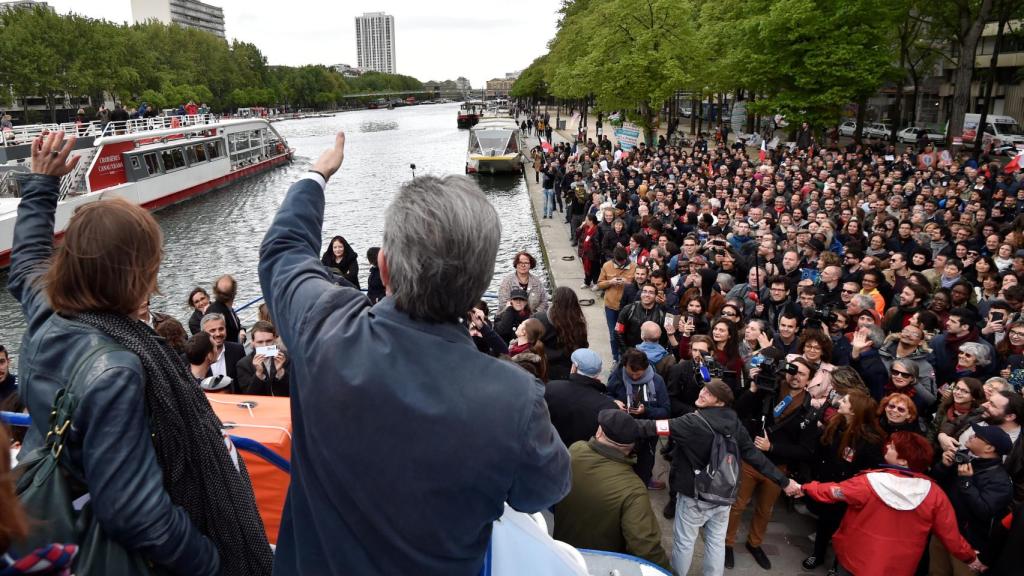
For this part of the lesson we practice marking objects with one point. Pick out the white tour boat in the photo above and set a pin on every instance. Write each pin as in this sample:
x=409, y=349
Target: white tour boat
x=152, y=162
x=495, y=145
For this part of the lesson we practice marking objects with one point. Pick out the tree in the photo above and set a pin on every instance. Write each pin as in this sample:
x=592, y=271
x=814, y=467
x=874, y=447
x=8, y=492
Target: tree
x=961, y=23
x=627, y=53
x=530, y=83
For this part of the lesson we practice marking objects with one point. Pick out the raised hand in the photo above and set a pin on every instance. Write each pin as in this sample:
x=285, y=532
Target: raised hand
x=50, y=154
x=331, y=159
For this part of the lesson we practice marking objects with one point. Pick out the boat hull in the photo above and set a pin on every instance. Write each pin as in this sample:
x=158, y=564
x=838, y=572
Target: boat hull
x=507, y=164
x=467, y=120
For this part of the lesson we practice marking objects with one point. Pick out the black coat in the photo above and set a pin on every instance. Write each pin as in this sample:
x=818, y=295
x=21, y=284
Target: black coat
x=980, y=500
x=271, y=385
x=559, y=361
x=507, y=321
x=793, y=437
x=233, y=352
x=683, y=387
x=193, y=322
x=349, y=265
x=574, y=404
x=831, y=465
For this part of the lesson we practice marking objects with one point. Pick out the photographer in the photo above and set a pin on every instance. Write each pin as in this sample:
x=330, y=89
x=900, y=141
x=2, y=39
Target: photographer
x=260, y=373
x=778, y=415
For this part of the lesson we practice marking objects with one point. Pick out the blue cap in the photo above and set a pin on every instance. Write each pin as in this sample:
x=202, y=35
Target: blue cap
x=587, y=362
x=995, y=437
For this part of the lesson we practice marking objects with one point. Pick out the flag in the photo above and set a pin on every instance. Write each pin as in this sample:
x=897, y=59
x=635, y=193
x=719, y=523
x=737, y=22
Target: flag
x=763, y=153
x=1015, y=164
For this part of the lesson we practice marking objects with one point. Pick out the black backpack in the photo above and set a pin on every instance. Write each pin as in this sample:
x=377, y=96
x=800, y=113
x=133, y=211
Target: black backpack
x=719, y=481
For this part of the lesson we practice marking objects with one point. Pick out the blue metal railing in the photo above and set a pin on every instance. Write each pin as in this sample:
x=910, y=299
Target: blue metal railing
x=240, y=442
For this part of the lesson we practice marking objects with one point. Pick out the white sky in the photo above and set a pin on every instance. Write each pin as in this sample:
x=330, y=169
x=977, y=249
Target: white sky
x=435, y=39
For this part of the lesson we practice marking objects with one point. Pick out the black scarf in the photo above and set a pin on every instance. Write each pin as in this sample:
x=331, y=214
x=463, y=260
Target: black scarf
x=199, y=474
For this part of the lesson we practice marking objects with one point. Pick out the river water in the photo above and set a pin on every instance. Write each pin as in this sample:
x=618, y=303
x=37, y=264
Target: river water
x=220, y=232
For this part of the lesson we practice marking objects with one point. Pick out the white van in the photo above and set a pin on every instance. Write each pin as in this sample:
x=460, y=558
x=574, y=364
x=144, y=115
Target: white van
x=1002, y=129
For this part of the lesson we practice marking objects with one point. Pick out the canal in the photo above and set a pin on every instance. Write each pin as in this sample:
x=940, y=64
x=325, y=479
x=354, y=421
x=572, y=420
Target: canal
x=220, y=232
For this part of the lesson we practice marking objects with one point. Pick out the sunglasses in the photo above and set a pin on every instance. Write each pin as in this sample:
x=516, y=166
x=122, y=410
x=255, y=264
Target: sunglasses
x=845, y=291
x=901, y=374
x=897, y=408
x=726, y=313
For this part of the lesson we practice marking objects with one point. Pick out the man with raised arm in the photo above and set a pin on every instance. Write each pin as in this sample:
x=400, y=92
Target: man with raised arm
x=407, y=439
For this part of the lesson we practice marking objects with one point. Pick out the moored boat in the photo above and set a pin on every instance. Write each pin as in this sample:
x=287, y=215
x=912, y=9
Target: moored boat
x=152, y=162
x=495, y=146
x=470, y=113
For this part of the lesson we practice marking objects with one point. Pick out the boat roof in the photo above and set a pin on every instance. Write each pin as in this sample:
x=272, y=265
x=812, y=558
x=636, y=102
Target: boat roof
x=496, y=123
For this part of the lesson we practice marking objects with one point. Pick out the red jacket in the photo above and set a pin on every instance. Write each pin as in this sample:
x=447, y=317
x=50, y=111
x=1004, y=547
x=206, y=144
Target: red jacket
x=890, y=513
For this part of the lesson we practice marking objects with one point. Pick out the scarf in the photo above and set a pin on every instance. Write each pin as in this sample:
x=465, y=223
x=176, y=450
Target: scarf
x=199, y=474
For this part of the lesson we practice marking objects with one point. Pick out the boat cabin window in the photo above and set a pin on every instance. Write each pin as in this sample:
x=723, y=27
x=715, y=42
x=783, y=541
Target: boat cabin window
x=196, y=153
x=492, y=140
x=152, y=163
x=215, y=149
x=173, y=159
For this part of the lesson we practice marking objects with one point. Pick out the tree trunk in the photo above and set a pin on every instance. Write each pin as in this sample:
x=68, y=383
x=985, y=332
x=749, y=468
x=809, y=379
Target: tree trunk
x=912, y=113
x=862, y=110
x=897, y=109
x=979, y=140
x=970, y=33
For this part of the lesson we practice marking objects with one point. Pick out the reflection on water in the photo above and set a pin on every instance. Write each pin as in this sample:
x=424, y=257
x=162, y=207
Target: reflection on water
x=220, y=232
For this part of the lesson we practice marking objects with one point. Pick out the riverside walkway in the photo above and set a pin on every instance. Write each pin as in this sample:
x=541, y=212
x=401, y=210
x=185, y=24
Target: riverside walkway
x=786, y=540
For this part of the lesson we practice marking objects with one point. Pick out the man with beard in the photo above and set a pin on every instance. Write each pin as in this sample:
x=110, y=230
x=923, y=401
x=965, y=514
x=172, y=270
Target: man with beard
x=898, y=271
x=228, y=353
x=1006, y=410
x=633, y=316
x=911, y=300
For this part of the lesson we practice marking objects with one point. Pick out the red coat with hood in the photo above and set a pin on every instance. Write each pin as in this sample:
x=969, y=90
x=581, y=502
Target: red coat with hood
x=890, y=514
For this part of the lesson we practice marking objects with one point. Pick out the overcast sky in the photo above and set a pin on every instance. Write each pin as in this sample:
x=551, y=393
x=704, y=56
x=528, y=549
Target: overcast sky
x=435, y=39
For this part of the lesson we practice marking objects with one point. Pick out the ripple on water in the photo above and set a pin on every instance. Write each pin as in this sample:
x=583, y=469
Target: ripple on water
x=220, y=232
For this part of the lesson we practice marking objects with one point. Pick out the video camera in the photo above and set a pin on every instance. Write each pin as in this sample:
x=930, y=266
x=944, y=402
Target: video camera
x=825, y=315
x=768, y=378
x=708, y=368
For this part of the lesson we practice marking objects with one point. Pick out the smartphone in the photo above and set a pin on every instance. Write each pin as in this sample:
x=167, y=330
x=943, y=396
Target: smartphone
x=997, y=315
x=268, y=351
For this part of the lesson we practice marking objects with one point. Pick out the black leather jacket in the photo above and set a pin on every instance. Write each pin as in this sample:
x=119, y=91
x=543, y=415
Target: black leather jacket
x=109, y=444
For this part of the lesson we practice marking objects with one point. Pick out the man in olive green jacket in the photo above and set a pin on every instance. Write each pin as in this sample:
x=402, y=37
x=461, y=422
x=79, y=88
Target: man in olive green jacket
x=608, y=507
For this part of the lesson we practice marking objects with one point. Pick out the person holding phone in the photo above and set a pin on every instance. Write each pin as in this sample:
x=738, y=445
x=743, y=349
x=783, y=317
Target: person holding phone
x=264, y=371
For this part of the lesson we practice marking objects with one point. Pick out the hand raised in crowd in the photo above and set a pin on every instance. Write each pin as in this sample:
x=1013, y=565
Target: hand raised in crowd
x=331, y=159
x=50, y=153
x=764, y=341
x=670, y=325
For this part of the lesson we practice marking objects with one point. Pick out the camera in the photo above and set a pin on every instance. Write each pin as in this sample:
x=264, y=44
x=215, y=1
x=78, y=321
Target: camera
x=826, y=315
x=768, y=378
x=961, y=457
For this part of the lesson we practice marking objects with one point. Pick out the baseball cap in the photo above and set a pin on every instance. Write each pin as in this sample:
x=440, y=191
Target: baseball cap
x=995, y=437
x=519, y=294
x=587, y=362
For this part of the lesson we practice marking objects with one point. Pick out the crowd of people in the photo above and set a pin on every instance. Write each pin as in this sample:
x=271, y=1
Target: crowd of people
x=858, y=307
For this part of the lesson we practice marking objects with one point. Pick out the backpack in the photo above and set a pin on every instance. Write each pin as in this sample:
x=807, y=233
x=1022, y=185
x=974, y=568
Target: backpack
x=719, y=481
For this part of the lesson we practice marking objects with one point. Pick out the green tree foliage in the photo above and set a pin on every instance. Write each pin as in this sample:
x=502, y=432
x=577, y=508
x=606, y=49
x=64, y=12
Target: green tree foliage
x=49, y=55
x=626, y=53
x=531, y=83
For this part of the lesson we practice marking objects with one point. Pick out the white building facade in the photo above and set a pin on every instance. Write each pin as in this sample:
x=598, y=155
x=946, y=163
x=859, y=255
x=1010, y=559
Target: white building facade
x=187, y=13
x=375, y=42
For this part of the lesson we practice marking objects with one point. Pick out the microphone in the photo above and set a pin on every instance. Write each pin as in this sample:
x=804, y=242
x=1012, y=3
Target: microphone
x=705, y=374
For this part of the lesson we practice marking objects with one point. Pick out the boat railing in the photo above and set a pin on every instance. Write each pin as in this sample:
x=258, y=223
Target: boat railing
x=26, y=133
x=73, y=183
x=136, y=125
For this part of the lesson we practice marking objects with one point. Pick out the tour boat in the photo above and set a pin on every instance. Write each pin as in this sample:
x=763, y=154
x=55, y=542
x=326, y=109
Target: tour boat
x=152, y=162
x=495, y=146
x=470, y=113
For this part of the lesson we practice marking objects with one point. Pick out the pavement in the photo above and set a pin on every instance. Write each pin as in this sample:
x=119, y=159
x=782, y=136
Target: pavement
x=786, y=540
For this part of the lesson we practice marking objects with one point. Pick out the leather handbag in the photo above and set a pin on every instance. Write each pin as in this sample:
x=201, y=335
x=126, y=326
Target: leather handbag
x=57, y=504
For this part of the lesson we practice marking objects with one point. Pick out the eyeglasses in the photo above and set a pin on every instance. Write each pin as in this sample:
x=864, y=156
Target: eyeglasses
x=523, y=263
x=901, y=374
x=961, y=390
x=728, y=313
x=897, y=408
x=1016, y=334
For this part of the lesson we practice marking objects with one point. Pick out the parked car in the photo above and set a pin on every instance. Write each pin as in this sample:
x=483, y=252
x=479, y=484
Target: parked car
x=877, y=130
x=918, y=135
x=847, y=128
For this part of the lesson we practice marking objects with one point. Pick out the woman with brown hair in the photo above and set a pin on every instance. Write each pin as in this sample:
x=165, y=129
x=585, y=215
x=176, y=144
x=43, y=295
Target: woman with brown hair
x=145, y=444
x=565, y=331
x=851, y=442
x=523, y=279
x=965, y=396
x=528, y=344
